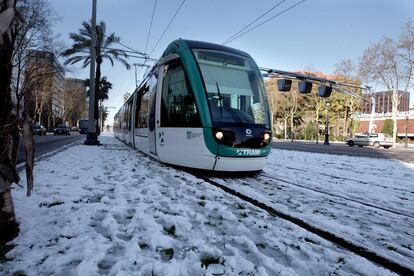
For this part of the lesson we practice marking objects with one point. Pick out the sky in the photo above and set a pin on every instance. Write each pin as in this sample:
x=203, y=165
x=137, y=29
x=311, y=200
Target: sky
x=316, y=34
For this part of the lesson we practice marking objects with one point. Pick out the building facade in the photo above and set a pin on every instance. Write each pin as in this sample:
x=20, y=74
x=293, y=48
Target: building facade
x=383, y=102
x=383, y=112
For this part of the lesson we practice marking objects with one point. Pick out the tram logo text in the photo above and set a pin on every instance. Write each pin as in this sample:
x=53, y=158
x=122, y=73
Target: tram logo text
x=248, y=152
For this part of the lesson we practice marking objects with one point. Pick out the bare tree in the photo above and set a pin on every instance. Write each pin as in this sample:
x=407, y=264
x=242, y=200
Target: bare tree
x=8, y=121
x=34, y=35
x=347, y=72
x=20, y=24
x=288, y=106
x=75, y=103
x=391, y=64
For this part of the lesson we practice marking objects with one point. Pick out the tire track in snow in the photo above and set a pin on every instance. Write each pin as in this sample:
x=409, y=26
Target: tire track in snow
x=354, y=248
x=348, y=179
x=337, y=196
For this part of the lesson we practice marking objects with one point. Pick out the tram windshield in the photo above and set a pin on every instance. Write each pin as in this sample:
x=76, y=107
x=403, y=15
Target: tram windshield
x=234, y=88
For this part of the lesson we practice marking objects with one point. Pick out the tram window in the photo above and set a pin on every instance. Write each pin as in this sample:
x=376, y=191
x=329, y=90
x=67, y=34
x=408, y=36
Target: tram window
x=141, y=120
x=129, y=115
x=178, y=107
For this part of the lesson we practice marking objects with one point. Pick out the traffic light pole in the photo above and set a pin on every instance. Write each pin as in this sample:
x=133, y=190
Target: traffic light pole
x=91, y=136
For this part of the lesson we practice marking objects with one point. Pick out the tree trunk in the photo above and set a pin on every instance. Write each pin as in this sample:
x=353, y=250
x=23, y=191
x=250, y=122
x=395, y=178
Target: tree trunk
x=285, y=127
x=394, y=116
x=9, y=228
x=337, y=127
x=8, y=174
x=346, y=120
x=291, y=128
x=317, y=125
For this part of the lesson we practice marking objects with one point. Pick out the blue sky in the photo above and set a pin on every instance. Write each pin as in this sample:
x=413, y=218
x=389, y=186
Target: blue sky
x=316, y=34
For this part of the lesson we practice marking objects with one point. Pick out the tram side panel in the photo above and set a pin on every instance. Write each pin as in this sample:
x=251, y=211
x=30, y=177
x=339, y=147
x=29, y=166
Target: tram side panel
x=180, y=139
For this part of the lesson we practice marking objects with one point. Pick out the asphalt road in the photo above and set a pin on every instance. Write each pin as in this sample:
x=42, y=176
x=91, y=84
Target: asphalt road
x=48, y=143
x=402, y=154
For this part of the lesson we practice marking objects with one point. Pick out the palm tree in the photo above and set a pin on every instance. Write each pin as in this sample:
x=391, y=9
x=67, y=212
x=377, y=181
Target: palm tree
x=104, y=87
x=80, y=51
x=104, y=114
x=102, y=94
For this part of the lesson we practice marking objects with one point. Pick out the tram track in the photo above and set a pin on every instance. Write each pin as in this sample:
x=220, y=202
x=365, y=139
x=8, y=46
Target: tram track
x=337, y=196
x=347, y=179
x=359, y=250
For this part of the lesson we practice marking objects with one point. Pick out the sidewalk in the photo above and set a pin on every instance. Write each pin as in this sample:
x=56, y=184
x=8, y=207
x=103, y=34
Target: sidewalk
x=112, y=210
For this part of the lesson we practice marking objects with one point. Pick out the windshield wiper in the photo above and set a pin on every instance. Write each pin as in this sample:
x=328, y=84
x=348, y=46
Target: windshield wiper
x=227, y=106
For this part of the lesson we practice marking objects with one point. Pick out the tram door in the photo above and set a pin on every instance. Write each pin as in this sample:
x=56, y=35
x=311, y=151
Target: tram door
x=180, y=134
x=151, y=116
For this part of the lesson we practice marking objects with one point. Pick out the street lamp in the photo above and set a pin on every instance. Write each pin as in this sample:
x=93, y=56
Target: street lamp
x=327, y=104
x=406, y=130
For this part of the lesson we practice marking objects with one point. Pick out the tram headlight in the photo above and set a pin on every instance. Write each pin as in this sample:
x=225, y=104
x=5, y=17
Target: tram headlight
x=266, y=137
x=219, y=135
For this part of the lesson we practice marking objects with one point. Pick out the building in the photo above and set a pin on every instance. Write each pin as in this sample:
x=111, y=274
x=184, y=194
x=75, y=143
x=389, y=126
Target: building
x=383, y=102
x=46, y=78
x=383, y=112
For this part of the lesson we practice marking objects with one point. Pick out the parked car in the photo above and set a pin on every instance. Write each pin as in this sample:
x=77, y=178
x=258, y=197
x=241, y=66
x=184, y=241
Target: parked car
x=61, y=129
x=39, y=130
x=371, y=139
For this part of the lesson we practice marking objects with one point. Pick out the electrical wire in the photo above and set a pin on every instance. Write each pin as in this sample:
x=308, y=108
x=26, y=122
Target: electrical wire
x=149, y=32
x=168, y=25
x=129, y=48
x=254, y=21
x=273, y=17
x=150, y=27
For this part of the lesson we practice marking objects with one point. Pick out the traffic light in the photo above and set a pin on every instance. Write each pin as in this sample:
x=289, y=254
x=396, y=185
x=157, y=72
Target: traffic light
x=305, y=87
x=284, y=85
x=324, y=91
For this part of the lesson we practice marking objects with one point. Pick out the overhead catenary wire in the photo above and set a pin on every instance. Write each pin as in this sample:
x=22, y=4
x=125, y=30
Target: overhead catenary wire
x=150, y=26
x=149, y=33
x=273, y=17
x=168, y=25
x=254, y=21
x=129, y=48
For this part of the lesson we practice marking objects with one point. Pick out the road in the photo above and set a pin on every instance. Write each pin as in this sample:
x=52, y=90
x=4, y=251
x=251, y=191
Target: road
x=406, y=155
x=48, y=143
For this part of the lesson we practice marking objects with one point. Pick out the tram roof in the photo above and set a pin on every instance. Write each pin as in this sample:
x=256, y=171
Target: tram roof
x=193, y=44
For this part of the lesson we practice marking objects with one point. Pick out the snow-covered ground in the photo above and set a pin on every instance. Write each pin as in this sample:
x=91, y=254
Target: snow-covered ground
x=365, y=200
x=112, y=210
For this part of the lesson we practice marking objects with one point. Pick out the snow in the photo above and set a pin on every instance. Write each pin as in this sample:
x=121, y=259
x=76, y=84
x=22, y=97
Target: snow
x=365, y=200
x=111, y=210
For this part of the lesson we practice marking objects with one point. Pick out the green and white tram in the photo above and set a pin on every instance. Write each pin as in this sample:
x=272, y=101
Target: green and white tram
x=201, y=106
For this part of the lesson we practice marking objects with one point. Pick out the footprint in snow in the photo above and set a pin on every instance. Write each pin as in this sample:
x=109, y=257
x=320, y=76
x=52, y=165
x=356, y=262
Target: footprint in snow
x=124, y=219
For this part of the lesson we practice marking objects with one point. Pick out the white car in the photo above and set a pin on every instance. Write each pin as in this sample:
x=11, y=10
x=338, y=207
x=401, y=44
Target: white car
x=371, y=139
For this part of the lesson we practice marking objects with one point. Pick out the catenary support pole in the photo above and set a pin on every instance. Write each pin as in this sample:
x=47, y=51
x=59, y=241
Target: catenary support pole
x=92, y=137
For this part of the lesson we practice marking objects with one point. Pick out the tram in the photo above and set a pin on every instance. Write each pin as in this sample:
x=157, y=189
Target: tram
x=202, y=106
